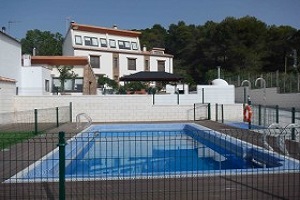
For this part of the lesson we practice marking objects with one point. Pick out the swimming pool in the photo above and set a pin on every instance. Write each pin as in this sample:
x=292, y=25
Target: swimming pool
x=124, y=151
x=244, y=125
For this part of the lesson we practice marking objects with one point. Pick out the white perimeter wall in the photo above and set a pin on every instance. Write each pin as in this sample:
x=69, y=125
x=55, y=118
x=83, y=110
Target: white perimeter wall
x=121, y=108
x=7, y=94
x=272, y=97
x=205, y=94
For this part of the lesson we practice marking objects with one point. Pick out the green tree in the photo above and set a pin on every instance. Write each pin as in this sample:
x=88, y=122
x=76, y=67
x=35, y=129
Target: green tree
x=65, y=73
x=154, y=37
x=279, y=45
x=104, y=80
x=44, y=42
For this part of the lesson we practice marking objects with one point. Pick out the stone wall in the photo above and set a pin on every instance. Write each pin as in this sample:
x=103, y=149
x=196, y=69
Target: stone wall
x=89, y=81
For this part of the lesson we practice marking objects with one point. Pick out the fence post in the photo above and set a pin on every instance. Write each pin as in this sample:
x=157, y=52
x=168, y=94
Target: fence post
x=222, y=113
x=245, y=97
x=71, y=112
x=277, y=113
x=61, y=145
x=293, y=122
x=202, y=95
x=177, y=97
x=153, y=99
x=35, y=121
x=259, y=114
x=216, y=112
x=194, y=112
x=208, y=112
x=57, y=117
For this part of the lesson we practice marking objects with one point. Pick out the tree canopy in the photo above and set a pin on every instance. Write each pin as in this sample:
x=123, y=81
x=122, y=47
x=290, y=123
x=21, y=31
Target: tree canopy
x=44, y=42
x=237, y=45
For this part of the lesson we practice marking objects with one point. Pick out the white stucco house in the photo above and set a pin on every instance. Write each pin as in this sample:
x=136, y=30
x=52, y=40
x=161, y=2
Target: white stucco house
x=84, y=81
x=113, y=52
x=10, y=58
x=28, y=80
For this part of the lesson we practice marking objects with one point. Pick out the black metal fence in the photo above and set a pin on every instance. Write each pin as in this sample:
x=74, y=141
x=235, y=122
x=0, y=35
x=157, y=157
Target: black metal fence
x=262, y=116
x=196, y=164
x=285, y=82
x=268, y=115
x=202, y=111
x=35, y=121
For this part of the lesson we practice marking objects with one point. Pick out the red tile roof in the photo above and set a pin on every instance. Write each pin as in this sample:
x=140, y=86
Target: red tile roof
x=60, y=60
x=4, y=79
x=98, y=29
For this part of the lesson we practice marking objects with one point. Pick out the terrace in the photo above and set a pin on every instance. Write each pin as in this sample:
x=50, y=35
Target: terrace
x=272, y=185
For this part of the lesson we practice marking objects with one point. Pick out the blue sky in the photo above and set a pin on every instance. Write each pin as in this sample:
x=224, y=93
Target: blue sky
x=19, y=16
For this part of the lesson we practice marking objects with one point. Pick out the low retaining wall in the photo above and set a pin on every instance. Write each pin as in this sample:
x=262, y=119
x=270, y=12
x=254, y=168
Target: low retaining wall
x=272, y=97
x=121, y=108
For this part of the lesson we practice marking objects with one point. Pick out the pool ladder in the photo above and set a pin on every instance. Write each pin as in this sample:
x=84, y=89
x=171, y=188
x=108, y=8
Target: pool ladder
x=280, y=134
x=79, y=121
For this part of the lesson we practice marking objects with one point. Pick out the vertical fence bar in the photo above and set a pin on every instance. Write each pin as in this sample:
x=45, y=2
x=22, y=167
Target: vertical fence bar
x=216, y=112
x=245, y=96
x=57, y=117
x=222, y=112
x=153, y=99
x=202, y=95
x=293, y=122
x=71, y=111
x=208, y=112
x=259, y=114
x=277, y=113
x=177, y=97
x=35, y=121
x=194, y=112
x=61, y=145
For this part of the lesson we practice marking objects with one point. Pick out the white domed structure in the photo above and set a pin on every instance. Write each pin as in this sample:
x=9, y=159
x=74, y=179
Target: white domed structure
x=219, y=82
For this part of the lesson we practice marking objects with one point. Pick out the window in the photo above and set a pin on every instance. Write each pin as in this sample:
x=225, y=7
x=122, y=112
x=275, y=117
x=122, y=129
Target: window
x=103, y=42
x=131, y=63
x=91, y=41
x=112, y=43
x=47, y=86
x=161, y=65
x=124, y=44
x=115, y=64
x=78, y=40
x=71, y=85
x=78, y=84
x=95, y=61
x=146, y=65
x=134, y=45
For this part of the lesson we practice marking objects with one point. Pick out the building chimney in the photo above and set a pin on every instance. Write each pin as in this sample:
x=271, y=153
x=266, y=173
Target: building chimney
x=144, y=48
x=219, y=72
x=26, y=60
x=115, y=26
x=34, y=51
x=3, y=29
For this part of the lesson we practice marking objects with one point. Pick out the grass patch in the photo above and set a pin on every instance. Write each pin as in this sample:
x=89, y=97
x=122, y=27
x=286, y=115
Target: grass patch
x=9, y=138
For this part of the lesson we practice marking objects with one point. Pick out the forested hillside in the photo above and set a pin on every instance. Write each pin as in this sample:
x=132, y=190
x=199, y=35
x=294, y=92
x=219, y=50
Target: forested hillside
x=244, y=45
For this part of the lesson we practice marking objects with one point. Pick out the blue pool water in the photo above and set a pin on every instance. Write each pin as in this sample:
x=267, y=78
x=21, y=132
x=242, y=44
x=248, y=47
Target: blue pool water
x=155, y=150
x=244, y=125
x=142, y=153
